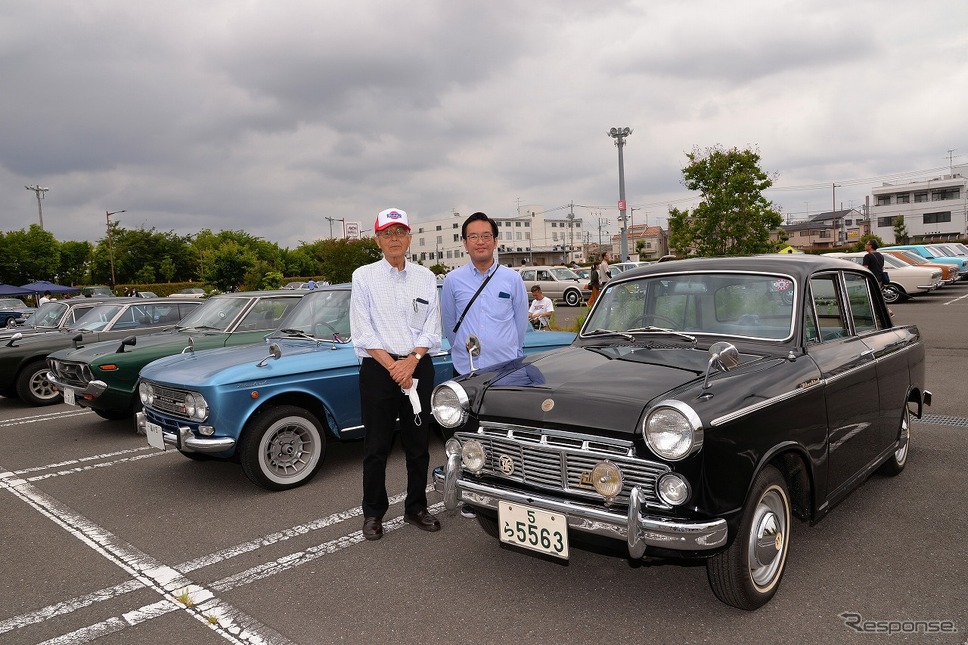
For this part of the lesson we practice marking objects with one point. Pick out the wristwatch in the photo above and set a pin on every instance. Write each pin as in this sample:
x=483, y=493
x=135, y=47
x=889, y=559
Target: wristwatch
x=417, y=354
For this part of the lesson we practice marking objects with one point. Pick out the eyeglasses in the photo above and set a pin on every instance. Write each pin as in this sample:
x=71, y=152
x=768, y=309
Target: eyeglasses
x=394, y=232
x=473, y=237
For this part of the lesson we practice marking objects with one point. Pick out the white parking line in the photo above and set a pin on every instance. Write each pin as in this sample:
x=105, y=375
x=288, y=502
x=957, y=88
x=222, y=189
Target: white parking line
x=44, y=417
x=955, y=300
x=197, y=601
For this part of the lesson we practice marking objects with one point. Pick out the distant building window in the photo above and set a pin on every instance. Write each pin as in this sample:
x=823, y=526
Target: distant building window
x=824, y=234
x=946, y=193
x=883, y=200
x=937, y=218
x=438, y=227
x=420, y=241
x=904, y=198
x=554, y=237
x=885, y=222
x=804, y=233
x=457, y=237
x=518, y=224
x=518, y=235
x=848, y=222
x=920, y=197
x=554, y=224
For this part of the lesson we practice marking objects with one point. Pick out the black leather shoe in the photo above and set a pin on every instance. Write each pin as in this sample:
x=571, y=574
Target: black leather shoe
x=423, y=521
x=372, y=528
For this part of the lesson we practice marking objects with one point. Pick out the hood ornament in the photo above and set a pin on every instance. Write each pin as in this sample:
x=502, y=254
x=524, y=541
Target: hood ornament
x=547, y=405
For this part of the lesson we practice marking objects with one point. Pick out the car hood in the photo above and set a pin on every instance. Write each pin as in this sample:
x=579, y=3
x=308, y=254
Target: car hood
x=606, y=388
x=213, y=367
x=166, y=341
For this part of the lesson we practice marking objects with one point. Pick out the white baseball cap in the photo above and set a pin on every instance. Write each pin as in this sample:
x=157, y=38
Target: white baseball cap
x=389, y=217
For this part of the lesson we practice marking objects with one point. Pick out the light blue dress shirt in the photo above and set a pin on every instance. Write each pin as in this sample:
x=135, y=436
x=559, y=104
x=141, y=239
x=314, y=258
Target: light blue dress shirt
x=499, y=316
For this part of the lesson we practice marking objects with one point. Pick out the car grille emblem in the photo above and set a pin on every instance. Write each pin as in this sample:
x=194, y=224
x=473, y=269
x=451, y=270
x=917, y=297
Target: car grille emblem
x=547, y=405
x=507, y=464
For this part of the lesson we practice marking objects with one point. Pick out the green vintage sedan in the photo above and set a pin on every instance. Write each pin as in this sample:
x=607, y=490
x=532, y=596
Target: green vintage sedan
x=23, y=356
x=104, y=376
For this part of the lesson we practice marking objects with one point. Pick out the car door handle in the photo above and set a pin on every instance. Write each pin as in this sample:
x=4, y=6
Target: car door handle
x=868, y=354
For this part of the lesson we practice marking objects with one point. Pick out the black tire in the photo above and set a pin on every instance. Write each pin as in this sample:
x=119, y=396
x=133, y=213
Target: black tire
x=572, y=298
x=748, y=573
x=33, y=386
x=895, y=465
x=282, y=447
x=488, y=523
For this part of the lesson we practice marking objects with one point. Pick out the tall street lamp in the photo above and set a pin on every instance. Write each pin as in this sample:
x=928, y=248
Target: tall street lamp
x=620, y=134
x=336, y=219
x=107, y=218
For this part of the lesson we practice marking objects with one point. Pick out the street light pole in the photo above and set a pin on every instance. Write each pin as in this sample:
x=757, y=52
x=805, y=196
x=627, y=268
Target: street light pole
x=620, y=134
x=39, y=191
x=336, y=219
x=107, y=218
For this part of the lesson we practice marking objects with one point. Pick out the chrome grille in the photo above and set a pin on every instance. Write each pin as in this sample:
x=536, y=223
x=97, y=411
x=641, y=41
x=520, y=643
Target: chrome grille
x=170, y=401
x=70, y=373
x=557, y=461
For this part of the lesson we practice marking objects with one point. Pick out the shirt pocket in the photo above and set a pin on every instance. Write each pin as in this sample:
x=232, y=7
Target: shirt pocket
x=497, y=309
x=417, y=313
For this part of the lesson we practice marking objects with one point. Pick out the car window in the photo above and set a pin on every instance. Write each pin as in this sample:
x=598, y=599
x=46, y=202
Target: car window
x=266, y=314
x=217, y=313
x=322, y=314
x=861, y=303
x=527, y=274
x=564, y=274
x=97, y=318
x=544, y=275
x=828, y=307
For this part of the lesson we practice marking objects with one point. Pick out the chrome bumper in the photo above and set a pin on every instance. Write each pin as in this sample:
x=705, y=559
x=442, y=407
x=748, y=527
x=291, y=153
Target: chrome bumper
x=636, y=528
x=185, y=439
x=93, y=390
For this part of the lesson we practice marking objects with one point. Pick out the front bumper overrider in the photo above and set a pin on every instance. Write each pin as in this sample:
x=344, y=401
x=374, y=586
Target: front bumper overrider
x=186, y=440
x=638, y=529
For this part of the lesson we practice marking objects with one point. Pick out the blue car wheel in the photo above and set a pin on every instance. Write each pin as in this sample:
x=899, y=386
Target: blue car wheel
x=282, y=447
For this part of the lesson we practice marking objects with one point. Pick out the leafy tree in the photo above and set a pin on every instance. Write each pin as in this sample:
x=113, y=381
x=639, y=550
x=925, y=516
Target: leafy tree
x=167, y=269
x=900, y=231
x=439, y=269
x=733, y=217
x=862, y=242
x=339, y=258
x=227, y=266
x=272, y=280
x=31, y=254
x=75, y=262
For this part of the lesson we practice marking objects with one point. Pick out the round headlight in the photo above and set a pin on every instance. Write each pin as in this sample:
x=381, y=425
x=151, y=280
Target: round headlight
x=449, y=404
x=472, y=455
x=607, y=479
x=147, y=393
x=672, y=489
x=195, y=406
x=672, y=430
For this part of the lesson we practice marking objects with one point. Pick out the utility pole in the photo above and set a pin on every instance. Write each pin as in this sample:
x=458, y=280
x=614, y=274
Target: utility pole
x=39, y=191
x=601, y=223
x=107, y=218
x=336, y=219
x=620, y=134
x=571, y=232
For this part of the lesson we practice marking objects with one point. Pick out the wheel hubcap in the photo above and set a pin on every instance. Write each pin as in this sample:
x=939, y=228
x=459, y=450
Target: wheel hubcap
x=767, y=541
x=289, y=451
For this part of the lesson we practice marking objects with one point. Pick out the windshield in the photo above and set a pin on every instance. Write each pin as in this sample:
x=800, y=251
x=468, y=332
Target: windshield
x=12, y=303
x=732, y=304
x=97, y=317
x=322, y=315
x=217, y=313
x=48, y=314
x=564, y=274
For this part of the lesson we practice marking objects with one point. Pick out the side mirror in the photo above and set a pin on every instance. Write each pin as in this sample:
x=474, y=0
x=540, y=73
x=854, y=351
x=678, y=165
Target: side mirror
x=274, y=353
x=14, y=339
x=127, y=341
x=473, y=348
x=723, y=356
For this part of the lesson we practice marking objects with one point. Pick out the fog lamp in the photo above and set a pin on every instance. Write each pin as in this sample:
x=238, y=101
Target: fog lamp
x=472, y=455
x=672, y=489
x=208, y=431
x=607, y=479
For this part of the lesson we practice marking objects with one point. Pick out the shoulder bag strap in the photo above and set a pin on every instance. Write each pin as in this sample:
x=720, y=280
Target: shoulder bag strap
x=477, y=293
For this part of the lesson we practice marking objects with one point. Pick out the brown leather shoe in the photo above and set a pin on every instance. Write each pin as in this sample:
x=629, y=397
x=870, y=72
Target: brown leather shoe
x=372, y=528
x=423, y=521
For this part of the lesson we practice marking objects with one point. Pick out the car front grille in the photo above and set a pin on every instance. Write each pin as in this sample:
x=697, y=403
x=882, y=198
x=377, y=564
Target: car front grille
x=169, y=401
x=562, y=461
x=75, y=374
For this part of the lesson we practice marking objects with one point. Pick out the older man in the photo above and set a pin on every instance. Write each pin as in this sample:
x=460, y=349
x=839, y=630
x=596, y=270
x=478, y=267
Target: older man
x=395, y=322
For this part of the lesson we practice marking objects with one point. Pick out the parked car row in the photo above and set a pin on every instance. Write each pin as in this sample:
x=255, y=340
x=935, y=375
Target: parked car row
x=917, y=268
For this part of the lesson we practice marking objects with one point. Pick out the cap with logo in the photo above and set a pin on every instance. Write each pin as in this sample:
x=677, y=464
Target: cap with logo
x=389, y=217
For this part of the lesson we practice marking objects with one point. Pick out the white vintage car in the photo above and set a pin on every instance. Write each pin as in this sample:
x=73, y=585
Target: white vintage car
x=906, y=280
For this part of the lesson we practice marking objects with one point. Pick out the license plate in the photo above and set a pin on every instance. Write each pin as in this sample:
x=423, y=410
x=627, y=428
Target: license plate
x=155, y=438
x=69, y=397
x=533, y=529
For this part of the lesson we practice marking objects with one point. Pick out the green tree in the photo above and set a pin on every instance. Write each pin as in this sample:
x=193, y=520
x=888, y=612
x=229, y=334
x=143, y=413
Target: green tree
x=75, y=262
x=167, y=269
x=31, y=254
x=733, y=217
x=339, y=258
x=900, y=231
x=227, y=266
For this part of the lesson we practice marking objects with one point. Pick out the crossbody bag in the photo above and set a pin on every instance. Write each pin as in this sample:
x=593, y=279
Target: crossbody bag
x=477, y=293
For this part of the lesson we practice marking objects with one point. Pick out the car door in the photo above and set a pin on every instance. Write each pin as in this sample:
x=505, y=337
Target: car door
x=848, y=370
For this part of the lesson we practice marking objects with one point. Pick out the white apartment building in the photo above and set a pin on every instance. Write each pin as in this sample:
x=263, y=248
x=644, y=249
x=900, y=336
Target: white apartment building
x=934, y=209
x=533, y=236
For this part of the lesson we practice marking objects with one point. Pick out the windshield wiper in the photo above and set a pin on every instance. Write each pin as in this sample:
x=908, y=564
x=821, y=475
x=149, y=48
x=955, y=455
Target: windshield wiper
x=609, y=332
x=298, y=332
x=663, y=330
x=203, y=328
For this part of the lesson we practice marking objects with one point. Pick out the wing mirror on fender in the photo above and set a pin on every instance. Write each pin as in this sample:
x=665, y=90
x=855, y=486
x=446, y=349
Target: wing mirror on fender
x=723, y=356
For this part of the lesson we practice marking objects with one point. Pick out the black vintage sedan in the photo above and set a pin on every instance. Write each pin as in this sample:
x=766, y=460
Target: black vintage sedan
x=704, y=404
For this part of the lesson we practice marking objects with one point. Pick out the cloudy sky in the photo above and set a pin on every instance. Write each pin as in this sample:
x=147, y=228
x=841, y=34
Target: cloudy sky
x=270, y=115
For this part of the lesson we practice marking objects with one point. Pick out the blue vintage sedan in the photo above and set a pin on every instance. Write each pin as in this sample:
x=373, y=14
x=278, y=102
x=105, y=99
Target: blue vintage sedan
x=273, y=406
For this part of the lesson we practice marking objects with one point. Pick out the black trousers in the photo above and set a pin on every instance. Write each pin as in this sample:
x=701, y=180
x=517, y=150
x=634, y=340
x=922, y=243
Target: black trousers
x=383, y=402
